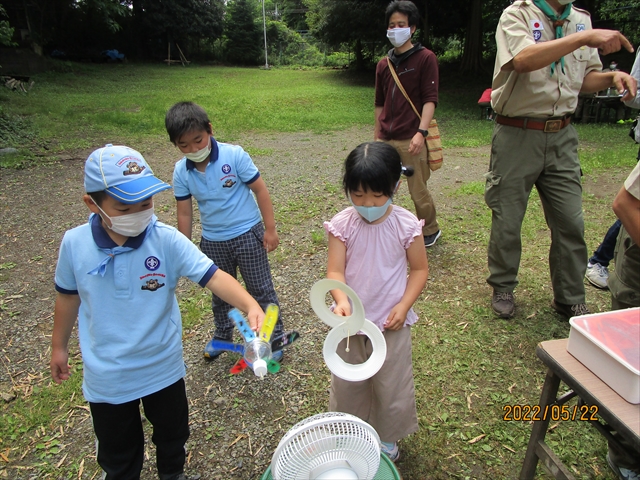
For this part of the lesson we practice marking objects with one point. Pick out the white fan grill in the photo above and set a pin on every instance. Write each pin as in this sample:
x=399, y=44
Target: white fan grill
x=327, y=441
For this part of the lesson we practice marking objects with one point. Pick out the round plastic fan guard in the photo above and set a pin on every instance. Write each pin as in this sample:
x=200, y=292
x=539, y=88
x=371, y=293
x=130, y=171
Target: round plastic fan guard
x=330, y=445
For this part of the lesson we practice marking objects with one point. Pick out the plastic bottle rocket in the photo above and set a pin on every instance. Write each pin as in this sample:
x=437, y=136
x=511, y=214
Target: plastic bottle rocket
x=257, y=349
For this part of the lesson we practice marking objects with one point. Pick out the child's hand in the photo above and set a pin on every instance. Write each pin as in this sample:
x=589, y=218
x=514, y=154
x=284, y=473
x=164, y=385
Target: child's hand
x=255, y=316
x=396, y=318
x=342, y=308
x=60, y=368
x=271, y=240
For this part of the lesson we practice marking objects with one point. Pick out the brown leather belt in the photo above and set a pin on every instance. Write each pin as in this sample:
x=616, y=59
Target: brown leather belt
x=552, y=125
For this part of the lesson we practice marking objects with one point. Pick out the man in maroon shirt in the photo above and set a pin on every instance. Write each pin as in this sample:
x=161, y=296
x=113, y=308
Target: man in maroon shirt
x=395, y=121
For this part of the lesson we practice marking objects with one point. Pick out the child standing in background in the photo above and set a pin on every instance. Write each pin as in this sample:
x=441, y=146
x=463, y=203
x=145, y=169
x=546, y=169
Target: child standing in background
x=370, y=245
x=223, y=179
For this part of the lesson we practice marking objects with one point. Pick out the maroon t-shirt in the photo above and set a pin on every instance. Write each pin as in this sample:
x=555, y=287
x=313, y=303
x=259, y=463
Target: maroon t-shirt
x=418, y=73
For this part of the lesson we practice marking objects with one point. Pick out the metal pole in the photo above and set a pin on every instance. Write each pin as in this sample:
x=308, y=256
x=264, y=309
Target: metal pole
x=264, y=27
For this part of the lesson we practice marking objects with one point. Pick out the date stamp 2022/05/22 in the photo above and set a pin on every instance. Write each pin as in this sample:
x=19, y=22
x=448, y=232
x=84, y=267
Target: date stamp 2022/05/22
x=556, y=413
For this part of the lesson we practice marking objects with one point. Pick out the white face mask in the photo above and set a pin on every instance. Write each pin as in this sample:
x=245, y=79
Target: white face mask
x=399, y=36
x=201, y=155
x=130, y=225
x=565, y=2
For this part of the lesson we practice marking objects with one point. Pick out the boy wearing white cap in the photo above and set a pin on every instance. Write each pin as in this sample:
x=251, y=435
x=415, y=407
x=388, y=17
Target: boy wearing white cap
x=117, y=275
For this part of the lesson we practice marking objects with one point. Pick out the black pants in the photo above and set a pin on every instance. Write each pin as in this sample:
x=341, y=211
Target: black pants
x=118, y=428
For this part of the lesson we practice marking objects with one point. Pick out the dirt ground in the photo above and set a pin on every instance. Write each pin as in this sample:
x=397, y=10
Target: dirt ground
x=236, y=421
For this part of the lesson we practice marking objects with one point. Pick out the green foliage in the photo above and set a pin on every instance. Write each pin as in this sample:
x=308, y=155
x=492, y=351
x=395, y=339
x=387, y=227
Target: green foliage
x=626, y=16
x=287, y=47
x=243, y=35
x=181, y=19
x=6, y=31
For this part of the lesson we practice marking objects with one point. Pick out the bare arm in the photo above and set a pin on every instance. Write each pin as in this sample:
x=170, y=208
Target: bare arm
x=535, y=57
x=64, y=318
x=596, y=81
x=417, y=142
x=418, y=275
x=185, y=217
x=335, y=270
x=627, y=208
x=228, y=289
x=271, y=240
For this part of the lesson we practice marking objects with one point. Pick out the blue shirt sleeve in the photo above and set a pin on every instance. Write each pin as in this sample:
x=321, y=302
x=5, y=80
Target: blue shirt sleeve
x=191, y=262
x=180, y=181
x=65, y=279
x=246, y=169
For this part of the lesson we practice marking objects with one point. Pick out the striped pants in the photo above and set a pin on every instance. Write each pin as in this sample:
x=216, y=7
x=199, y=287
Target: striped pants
x=247, y=254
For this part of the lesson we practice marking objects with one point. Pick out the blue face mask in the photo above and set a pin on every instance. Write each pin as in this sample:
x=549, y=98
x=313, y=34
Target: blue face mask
x=371, y=214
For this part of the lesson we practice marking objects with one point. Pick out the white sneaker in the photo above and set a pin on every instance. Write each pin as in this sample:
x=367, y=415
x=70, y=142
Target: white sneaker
x=597, y=275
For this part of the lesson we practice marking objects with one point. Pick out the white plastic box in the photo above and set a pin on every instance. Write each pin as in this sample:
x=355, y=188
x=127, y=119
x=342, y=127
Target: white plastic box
x=608, y=344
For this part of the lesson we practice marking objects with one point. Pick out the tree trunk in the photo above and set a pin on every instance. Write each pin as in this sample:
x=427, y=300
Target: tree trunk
x=138, y=33
x=425, y=25
x=359, y=57
x=472, y=56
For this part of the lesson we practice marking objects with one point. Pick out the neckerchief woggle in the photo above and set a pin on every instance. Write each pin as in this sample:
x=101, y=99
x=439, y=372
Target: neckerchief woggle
x=558, y=21
x=111, y=252
x=101, y=269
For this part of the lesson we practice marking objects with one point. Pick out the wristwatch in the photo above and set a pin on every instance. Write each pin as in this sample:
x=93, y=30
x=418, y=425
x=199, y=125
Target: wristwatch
x=423, y=132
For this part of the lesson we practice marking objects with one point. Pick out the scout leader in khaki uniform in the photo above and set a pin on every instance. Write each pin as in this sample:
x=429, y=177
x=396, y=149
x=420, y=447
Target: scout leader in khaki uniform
x=547, y=55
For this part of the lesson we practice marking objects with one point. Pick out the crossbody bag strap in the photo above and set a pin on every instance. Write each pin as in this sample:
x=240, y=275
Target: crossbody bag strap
x=404, y=92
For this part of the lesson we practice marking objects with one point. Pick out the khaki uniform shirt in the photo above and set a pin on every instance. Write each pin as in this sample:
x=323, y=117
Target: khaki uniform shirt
x=632, y=183
x=537, y=93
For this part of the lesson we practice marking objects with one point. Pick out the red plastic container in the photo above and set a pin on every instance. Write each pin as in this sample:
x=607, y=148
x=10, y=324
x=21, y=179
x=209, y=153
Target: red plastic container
x=608, y=344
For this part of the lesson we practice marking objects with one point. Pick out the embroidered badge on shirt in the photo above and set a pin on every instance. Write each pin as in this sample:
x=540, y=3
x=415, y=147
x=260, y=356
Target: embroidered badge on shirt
x=152, y=263
x=580, y=27
x=152, y=285
x=228, y=184
x=536, y=28
x=226, y=168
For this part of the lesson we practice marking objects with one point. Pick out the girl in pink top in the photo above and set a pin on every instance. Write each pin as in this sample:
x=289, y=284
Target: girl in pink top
x=370, y=245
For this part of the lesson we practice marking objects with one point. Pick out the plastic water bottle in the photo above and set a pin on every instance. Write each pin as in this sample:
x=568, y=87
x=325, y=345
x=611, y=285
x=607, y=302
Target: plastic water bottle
x=257, y=354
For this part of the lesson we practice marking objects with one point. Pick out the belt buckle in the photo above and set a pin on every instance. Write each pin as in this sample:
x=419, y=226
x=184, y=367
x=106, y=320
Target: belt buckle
x=553, y=126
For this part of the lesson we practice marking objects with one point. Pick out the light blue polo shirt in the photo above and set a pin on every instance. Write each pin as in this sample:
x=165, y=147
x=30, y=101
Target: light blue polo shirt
x=226, y=203
x=129, y=322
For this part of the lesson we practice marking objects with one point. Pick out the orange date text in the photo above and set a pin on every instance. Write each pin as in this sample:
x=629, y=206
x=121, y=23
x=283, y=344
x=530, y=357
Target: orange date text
x=556, y=413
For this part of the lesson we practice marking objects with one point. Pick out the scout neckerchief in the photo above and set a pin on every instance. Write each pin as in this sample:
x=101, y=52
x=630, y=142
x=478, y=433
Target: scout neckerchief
x=558, y=21
x=111, y=252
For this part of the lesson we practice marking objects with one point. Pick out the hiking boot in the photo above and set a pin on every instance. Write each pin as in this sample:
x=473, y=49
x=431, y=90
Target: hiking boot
x=622, y=473
x=598, y=275
x=570, y=310
x=503, y=304
x=430, y=240
x=391, y=450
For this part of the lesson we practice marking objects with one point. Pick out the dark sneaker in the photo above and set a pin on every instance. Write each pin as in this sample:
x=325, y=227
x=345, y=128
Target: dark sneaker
x=211, y=353
x=430, y=240
x=570, y=310
x=622, y=473
x=503, y=304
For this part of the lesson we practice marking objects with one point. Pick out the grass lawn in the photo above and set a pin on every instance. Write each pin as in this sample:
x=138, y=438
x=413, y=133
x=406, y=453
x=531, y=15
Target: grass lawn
x=468, y=366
